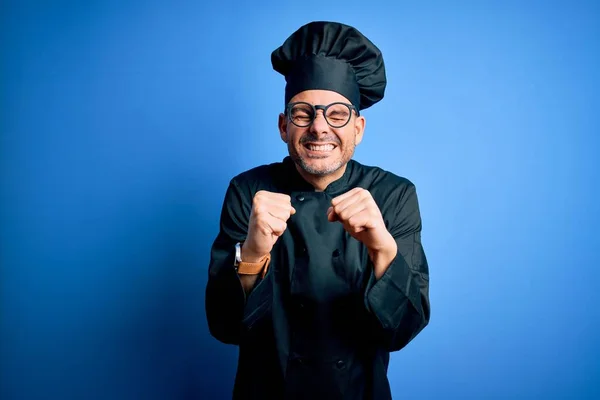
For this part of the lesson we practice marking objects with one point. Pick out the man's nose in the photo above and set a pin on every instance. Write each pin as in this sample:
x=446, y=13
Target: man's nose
x=319, y=124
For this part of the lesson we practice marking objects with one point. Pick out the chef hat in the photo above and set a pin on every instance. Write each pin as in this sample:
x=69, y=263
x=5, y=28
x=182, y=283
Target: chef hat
x=331, y=56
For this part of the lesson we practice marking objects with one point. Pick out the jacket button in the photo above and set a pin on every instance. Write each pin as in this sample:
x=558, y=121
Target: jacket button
x=336, y=253
x=300, y=198
x=340, y=364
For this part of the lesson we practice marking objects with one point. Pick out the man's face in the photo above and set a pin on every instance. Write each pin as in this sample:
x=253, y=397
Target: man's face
x=319, y=149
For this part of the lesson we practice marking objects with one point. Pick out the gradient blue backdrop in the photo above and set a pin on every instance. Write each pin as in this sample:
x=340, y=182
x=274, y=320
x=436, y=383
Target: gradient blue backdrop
x=122, y=123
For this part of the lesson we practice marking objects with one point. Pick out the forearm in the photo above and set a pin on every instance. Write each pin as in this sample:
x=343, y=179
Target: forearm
x=231, y=297
x=224, y=300
x=397, y=295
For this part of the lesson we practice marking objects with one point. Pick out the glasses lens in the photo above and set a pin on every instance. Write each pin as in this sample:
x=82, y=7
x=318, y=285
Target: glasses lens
x=301, y=114
x=338, y=115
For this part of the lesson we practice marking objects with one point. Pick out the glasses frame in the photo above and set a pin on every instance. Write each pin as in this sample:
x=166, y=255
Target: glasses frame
x=316, y=107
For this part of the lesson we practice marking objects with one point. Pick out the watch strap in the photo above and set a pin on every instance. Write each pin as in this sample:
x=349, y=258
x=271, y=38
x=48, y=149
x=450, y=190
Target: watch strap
x=248, y=268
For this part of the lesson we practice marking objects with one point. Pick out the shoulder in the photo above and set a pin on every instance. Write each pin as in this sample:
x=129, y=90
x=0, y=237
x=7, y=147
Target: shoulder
x=262, y=177
x=395, y=195
x=380, y=181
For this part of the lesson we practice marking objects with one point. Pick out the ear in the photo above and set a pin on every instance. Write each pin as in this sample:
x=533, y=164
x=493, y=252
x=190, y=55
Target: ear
x=359, y=129
x=282, y=123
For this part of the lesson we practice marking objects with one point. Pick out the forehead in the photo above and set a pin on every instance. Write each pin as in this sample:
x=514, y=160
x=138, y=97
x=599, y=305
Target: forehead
x=323, y=97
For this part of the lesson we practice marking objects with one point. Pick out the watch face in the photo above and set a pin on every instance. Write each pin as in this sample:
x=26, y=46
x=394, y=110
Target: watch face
x=238, y=254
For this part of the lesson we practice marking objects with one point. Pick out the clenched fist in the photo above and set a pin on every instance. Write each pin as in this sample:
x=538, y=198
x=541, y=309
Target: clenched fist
x=268, y=221
x=362, y=219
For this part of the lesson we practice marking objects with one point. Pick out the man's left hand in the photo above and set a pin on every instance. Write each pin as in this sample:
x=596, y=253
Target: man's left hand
x=362, y=219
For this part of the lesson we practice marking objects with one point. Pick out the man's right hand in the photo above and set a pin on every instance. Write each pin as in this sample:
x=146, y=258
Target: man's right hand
x=268, y=221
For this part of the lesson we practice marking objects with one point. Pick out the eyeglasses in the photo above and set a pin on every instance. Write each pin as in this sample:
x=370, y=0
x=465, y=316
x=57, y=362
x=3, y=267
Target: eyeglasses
x=303, y=114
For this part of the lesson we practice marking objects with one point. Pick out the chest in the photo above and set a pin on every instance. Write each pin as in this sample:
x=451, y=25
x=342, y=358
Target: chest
x=324, y=262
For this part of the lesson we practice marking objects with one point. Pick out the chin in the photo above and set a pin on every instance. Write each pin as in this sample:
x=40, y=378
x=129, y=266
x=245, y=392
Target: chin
x=320, y=168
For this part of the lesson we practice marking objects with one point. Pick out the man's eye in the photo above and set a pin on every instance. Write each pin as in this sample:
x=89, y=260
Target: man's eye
x=301, y=113
x=338, y=116
x=301, y=117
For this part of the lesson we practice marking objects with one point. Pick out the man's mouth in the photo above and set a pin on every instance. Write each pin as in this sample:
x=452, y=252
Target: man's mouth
x=319, y=147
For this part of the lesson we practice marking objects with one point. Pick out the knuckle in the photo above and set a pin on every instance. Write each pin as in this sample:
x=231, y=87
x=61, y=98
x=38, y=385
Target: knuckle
x=259, y=209
x=280, y=228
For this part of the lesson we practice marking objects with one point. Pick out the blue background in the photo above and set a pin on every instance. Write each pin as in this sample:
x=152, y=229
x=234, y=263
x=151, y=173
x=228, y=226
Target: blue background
x=122, y=123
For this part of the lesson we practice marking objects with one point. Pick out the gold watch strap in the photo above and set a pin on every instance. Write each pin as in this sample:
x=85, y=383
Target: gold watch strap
x=247, y=268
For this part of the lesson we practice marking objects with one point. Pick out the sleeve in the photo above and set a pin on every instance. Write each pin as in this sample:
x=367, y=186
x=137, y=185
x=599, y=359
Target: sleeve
x=399, y=300
x=226, y=303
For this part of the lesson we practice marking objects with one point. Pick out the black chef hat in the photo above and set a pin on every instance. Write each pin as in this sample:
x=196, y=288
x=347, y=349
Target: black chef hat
x=331, y=56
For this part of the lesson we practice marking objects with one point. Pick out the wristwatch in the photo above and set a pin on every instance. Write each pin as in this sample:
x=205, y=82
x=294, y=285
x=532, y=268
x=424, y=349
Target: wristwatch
x=247, y=268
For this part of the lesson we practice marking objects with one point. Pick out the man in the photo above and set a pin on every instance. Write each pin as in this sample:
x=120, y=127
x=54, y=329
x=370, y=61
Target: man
x=318, y=272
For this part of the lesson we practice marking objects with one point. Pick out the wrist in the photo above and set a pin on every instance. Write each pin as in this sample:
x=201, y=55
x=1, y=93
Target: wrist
x=250, y=256
x=386, y=247
x=383, y=256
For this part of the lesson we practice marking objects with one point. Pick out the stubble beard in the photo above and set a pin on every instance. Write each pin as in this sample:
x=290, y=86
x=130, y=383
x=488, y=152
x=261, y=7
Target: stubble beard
x=327, y=170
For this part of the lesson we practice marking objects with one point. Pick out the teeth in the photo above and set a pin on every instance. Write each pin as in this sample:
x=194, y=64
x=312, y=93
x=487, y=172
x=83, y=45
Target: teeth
x=322, y=147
